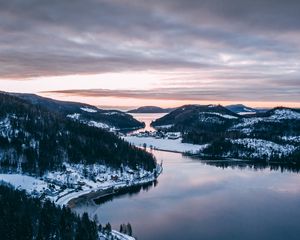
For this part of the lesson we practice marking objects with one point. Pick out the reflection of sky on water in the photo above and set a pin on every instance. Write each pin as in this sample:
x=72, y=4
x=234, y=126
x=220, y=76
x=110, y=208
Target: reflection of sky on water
x=193, y=200
x=147, y=119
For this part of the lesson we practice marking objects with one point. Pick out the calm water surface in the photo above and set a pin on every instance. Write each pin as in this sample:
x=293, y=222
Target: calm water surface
x=147, y=118
x=194, y=200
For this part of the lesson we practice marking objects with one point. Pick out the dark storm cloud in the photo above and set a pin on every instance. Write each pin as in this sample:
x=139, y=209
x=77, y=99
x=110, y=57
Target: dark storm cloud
x=249, y=40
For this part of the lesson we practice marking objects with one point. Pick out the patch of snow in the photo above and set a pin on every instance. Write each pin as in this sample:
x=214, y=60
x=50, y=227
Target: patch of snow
x=91, y=123
x=5, y=128
x=24, y=182
x=246, y=113
x=165, y=144
x=212, y=105
x=113, y=113
x=210, y=119
x=246, y=126
x=90, y=110
x=291, y=138
x=164, y=126
x=285, y=114
x=121, y=236
x=74, y=116
x=248, y=110
x=98, y=124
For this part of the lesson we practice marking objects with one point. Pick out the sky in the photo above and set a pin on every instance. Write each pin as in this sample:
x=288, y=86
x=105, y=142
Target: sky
x=153, y=52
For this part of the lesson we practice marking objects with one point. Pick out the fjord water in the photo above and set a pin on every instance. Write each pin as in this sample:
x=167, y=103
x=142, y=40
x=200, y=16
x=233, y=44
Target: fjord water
x=147, y=118
x=196, y=200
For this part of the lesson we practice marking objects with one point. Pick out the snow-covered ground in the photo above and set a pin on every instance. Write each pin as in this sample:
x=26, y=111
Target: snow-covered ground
x=164, y=126
x=76, y=117
x=24, y=182
x=291, y=138
x=165, y=144
x=285, y=114
x=263, y=148
x=90, y=110
x=113, y=113
x=246, y=125
x=77, y=180
x=246, y=113
x=98, y=124
x=5, y=127
x=121, y=236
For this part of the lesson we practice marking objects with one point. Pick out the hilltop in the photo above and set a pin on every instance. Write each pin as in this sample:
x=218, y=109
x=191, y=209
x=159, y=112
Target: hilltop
x=91, y=115
x=151, y=109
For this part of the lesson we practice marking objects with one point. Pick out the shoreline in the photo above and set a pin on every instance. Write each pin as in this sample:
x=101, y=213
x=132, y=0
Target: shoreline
x=73, y=197
x=101, y=192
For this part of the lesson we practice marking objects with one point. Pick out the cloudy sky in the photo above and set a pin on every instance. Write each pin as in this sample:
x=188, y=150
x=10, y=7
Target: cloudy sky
x=158, y=52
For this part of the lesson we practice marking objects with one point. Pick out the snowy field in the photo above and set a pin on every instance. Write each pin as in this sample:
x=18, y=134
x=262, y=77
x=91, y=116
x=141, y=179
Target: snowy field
x=165, y=144
x=24, y=182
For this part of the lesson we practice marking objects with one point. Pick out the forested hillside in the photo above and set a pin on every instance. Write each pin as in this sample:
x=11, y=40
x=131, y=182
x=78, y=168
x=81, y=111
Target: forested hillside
x=34, y=139
x=272, y=135
x=27, y=218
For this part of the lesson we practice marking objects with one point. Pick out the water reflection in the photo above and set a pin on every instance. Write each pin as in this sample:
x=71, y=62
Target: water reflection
x=209, y=200
x=254, y=165
x=147, y=118
x=129, y=192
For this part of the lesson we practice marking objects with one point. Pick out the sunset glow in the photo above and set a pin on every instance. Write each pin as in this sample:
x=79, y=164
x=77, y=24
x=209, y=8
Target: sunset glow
x=170, y=53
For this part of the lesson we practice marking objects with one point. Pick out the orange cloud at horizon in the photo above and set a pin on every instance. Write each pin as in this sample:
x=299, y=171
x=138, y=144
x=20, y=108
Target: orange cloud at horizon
x=127, y=103
x=164, y=89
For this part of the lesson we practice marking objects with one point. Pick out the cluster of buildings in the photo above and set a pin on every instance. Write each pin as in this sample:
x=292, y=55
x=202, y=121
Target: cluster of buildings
x=158, y=134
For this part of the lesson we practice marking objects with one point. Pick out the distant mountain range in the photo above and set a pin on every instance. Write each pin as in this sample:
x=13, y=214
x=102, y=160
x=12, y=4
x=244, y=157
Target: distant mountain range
x=91, y=115
x=273, y=135
x=151, y=109
x=236, y=108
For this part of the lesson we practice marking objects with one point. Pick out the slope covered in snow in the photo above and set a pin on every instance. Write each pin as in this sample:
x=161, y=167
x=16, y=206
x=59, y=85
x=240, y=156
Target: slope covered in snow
x=280, y=114
x=87, y=109
x=263, y=149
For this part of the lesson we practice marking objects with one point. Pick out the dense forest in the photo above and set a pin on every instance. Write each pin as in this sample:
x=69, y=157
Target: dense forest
x=35, y=140
x=27, y=218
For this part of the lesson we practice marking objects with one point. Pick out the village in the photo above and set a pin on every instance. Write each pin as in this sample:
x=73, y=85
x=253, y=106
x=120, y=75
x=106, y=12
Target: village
x=76, y=180
x=157, y=134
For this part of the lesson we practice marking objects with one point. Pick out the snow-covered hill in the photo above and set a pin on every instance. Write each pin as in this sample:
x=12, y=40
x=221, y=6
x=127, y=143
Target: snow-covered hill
x=271, y=135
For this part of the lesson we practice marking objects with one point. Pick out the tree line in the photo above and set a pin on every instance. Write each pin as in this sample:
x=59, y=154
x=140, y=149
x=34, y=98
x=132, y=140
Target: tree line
x=27, y=218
